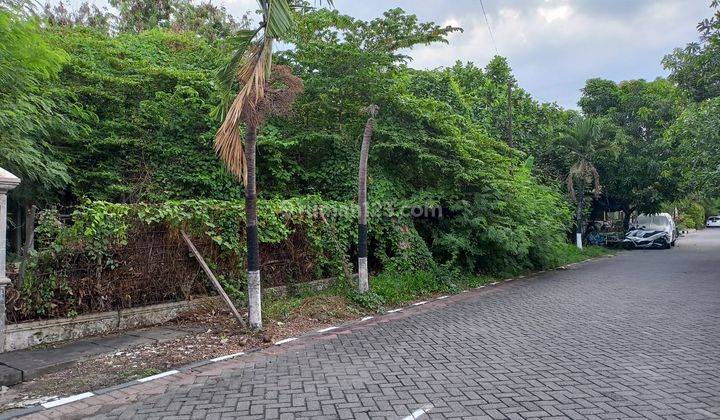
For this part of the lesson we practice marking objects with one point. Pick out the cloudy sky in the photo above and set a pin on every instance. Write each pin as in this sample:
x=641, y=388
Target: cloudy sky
x=553, y=45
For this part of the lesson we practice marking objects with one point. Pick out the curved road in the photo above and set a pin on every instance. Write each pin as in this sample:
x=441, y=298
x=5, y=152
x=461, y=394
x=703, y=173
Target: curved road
x=633, y=336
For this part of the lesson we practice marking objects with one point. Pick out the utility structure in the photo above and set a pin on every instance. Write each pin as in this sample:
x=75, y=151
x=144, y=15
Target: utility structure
x=363, y=284
x=510, y=112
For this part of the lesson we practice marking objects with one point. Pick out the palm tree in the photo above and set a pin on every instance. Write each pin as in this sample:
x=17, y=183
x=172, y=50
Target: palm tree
x=258, y=98
x=363, y=285
x=581, y=141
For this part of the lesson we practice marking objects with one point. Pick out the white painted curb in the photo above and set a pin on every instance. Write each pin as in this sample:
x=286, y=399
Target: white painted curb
x=287, y=340
x=158, y=376
x=327, y=329
x=226, y=357
x=67, y=400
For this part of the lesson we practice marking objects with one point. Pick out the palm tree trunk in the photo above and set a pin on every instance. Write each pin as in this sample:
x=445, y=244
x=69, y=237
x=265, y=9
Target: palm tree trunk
x=627, y=215
x=363, y=284
x=579, y=220
x=253, y=248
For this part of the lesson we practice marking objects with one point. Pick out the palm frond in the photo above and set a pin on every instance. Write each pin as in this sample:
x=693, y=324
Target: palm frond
x=278, y=19
x=584, y=173
x=252, y=75
x=228, y=73
x=250, y=65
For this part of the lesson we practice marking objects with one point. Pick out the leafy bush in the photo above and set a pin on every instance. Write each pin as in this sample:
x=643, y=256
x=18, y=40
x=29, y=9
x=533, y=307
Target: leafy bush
x=110, y=256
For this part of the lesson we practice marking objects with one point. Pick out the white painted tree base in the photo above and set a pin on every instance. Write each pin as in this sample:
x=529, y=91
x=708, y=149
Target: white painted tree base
x=254, y=303
x=363, y=284
x=578, y=240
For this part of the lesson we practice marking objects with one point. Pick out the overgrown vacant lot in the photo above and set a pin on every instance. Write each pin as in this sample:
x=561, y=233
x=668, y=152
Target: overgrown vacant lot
x=169, y=151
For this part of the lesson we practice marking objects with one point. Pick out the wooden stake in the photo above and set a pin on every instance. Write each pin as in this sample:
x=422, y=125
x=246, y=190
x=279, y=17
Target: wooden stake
x=213, y=280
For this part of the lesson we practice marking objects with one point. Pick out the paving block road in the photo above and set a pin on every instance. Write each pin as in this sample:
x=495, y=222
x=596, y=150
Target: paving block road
x=632, y=336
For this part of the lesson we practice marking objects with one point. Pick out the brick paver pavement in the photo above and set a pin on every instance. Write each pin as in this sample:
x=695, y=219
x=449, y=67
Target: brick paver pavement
x=634, y=336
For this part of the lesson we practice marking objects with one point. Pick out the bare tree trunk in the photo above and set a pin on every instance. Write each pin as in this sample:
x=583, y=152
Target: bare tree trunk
x=627, y=214
x=579, y=220
x=253, y=247
x=18, y=232
x=363, y=284
x=30, y=212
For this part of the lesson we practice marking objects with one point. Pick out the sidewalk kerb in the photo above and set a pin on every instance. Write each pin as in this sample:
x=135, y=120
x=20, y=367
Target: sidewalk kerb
x=227, y=357
x=158, y=376
x=66, y=400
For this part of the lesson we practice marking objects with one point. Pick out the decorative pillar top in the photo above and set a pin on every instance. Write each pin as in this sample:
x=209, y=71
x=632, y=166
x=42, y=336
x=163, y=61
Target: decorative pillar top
x=8, y=181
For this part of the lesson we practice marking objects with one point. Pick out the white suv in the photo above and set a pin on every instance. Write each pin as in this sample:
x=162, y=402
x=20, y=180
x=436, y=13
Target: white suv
x=713, y=221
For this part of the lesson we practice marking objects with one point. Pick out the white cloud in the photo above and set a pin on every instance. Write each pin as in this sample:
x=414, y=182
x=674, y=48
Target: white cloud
x=551, y=14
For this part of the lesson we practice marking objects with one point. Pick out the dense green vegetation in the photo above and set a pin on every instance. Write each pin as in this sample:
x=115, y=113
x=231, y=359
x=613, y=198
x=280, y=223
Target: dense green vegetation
x=123, y=109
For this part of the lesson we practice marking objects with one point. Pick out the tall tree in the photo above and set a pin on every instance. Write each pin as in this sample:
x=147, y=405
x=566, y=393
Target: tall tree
x=696, y=67
x=251, y=66
x=363, y=284
x=634, y=115
x=581, y=142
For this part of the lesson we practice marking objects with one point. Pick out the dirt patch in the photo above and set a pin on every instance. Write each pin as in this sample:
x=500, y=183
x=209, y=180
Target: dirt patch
x=218, y=335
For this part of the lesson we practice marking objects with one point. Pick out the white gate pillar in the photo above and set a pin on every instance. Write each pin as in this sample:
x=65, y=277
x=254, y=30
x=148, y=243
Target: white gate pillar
x=8, y=181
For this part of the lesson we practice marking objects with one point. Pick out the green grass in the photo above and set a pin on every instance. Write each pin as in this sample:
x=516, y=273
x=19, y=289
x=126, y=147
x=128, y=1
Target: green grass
x=572, y=255
x=392, y=289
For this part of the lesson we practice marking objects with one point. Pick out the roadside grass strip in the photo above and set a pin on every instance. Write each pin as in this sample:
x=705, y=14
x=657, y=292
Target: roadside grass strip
x=287, y=340
x=67, y=400
x=158, y=376
x=419, y=412
x=226, y=357
x=327, y=329
x=392, y=311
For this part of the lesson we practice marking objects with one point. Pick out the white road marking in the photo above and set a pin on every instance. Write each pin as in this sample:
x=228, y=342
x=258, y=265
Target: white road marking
x=287, y=340
x=394, y=310
x=226, y=357
x=66, y=400
x=158, y=376
x=367, y=318
x=443, y=297
x=327, y=329
x=494, y=283
x=419, y=412
x=420, y=303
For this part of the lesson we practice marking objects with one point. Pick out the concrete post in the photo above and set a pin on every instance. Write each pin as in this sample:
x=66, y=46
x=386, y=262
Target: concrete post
x=8, y=181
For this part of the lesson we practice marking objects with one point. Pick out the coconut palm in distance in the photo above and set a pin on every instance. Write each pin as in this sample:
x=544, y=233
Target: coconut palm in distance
x=363, y=284
x=265, y=90
x=581, y=141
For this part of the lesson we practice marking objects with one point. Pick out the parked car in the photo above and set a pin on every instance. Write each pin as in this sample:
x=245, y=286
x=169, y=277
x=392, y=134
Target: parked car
x=713, y=221
x=652, y=231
